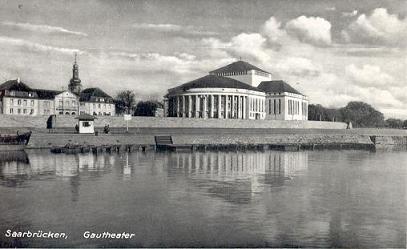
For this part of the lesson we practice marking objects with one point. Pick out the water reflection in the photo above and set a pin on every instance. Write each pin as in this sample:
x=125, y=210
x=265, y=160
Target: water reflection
x=236, y=177
x=259, y=199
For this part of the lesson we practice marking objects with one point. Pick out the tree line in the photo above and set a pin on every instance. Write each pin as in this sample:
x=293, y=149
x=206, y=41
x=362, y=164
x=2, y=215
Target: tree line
x=360, y=114
x=126, y=103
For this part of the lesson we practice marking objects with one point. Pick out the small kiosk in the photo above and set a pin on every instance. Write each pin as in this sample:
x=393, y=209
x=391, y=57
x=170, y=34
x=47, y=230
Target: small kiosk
x=86, y=124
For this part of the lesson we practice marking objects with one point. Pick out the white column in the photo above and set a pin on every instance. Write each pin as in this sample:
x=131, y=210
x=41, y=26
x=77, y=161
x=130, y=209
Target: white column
x=212, y=105
x=219, y=105
x=183, y=106
x=232, y=103
x=196, y=106
x=226, y=106
x=239, y=107
x=245, y=99
x=178, y=106
x=189, y=106
x=205, y=104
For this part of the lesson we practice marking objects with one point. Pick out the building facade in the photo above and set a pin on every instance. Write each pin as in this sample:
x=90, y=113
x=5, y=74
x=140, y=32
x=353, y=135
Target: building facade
x=96, y=102
x=215, y=96
x=236, y=91
x=18, y=99
x=283, y=102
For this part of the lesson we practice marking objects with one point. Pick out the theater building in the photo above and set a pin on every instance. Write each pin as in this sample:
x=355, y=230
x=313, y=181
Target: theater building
x=236, y=91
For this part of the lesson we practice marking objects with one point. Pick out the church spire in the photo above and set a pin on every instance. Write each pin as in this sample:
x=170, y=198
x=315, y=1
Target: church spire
x=75, y=85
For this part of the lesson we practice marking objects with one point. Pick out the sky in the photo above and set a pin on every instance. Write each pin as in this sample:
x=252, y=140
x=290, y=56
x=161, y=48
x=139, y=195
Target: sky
x=332, y=51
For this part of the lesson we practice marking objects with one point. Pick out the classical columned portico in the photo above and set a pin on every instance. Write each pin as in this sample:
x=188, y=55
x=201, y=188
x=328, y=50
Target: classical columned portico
x=222, y=105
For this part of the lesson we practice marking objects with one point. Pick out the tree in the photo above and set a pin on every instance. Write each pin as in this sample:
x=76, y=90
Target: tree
x=361, y=115
x=405, y=124
x=125, y=101
x=320, y=113
x=147, y=108
x=394, y=123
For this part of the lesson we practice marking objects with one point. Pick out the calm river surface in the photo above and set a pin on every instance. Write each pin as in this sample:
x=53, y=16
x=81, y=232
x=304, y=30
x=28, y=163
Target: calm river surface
x=274, y=199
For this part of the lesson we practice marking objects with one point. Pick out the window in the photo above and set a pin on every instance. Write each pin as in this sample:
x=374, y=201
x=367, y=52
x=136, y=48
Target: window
x=279, y=106
x=85, y=124
x=19, y=102
x=19, y=111
x=32, y=102
x=31, y=111
x=11, y=111
x=12, y=101
x=25, y=102
x=25, y=111
x=98, y=105
x=73, y=102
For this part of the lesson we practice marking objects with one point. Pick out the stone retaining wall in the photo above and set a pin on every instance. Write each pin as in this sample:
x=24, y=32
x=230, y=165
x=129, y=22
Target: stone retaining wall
x=70, y=121
x=48, y=140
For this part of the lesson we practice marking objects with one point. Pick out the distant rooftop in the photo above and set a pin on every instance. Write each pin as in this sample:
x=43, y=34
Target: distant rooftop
x=15, y=85
x=88, y=93
x=277, y=86
x=46, y=94
x=238, y=66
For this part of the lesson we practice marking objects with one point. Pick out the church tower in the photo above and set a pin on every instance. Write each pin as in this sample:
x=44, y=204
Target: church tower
x=75, y=85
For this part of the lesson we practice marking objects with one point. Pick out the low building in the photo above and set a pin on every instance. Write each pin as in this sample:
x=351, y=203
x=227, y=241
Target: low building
x=236, y=91
x=283, y=102
x=46, y=101
x=17, y=98
x=96, y=102
x=66, y=103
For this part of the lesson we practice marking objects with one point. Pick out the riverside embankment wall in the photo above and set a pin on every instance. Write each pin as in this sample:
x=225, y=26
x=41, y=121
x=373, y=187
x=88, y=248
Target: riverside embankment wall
x=194, y=131
x=39, y=122
x=49, y=140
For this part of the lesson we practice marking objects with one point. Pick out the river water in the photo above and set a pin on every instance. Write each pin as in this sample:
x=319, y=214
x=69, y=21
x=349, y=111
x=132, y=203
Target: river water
x=206, y=199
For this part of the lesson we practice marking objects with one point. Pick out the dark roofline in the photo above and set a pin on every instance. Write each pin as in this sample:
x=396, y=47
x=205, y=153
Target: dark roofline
x=277, y=86
x=238, y=66
x=213, y=81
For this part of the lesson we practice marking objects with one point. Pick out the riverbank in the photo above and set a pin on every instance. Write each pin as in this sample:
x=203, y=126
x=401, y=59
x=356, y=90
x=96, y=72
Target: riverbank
x=202, y=132
x=218, y=138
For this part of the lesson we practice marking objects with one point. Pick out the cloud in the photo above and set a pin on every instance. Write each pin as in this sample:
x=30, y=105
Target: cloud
x=350, y=14
x=273, y=31
x=249, y=46
x=173, y=28
x=37, y=47
x=314, y=30
x=379, y=28
x=42, y=28
x=369, y=76
x=298, y=66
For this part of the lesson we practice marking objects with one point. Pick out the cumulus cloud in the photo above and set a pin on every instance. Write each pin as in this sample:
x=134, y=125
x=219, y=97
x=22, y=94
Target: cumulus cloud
x=378, y=28
x=173, y=28
x=273, y=31
x=42, y=28
x=369, y=76
x=251, y=47
x=314, y=30
x=37, y=47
